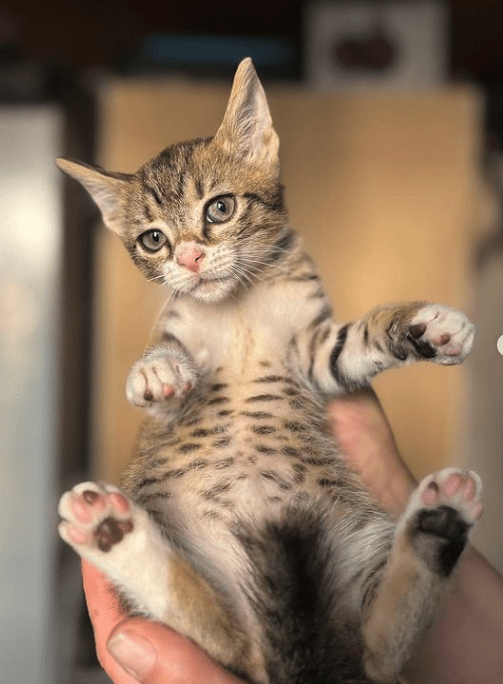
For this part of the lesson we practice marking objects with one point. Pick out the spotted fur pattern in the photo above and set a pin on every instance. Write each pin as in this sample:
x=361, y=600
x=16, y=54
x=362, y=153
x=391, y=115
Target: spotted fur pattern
x=239, y=522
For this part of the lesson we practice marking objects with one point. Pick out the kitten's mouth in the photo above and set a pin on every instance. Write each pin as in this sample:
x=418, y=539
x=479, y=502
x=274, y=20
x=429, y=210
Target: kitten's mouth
x=205, y=280
x=208, y=281
x=212, y=287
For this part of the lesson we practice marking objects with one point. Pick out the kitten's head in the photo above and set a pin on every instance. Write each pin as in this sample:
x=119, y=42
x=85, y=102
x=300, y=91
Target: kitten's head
x=206, y=215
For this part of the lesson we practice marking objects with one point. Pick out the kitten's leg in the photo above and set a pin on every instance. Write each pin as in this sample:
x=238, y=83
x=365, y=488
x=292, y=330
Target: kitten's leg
x=119, y=538
x=106, y=528
x=400, y=604
x=348, y=356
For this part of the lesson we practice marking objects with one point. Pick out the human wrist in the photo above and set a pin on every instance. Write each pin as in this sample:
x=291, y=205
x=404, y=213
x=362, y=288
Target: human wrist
x=366, y=439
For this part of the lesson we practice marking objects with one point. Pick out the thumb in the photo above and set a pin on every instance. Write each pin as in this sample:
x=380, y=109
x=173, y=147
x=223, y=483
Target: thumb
x=154, y=654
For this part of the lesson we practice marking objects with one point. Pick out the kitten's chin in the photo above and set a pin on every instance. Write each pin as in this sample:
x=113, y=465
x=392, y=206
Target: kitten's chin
x=213, y=290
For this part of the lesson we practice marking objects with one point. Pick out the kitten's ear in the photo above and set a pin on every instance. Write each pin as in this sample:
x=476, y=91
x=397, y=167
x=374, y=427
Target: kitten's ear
x=106, y=189
x=247, y=125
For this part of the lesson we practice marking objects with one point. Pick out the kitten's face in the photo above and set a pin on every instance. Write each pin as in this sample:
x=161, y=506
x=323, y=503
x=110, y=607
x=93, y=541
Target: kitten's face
x=201, y=221
x=205, y=216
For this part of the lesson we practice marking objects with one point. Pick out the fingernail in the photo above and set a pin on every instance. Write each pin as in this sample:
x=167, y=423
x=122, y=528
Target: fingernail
x=133, y=652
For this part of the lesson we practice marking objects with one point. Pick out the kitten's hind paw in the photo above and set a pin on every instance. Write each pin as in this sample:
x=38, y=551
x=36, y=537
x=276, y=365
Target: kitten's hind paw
x=159, y=376
x=459, y=489
x=441, y=334
x=119, y=537
x=441, y=514
x=95, y=517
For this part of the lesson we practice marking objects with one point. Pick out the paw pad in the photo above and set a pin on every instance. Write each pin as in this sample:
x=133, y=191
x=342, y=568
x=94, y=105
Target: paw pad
x=110, y=532
x=455, y=488
x=160, y=375
x=441, y=334
x=95, y=515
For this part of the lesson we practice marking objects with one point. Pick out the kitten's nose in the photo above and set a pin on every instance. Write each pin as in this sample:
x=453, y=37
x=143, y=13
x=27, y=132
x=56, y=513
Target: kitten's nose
x=190, y=256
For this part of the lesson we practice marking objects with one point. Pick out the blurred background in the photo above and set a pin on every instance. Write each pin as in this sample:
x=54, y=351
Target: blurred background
x=390, y=116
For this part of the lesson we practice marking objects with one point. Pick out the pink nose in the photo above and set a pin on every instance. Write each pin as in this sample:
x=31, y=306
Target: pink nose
x=190, y=256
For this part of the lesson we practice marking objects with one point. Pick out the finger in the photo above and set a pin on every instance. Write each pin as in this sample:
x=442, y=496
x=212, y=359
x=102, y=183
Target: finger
x=358, y=412
x=361, y=427
x=363, y=432
x=177, y=660
x=154, y=654
x=105, y=613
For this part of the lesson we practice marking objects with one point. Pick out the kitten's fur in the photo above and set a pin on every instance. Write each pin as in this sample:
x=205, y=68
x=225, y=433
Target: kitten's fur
x=243, y=527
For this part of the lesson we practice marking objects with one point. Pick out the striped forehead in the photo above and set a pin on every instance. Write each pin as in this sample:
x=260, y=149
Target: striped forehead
x=170, y=194
x=167, y=177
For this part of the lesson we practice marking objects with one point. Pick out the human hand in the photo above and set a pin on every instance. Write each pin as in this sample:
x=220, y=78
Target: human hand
x=362, y=430
x=136, y=650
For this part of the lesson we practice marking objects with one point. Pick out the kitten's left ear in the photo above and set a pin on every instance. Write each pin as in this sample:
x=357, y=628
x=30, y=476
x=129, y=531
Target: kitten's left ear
x=106, y=189
x=247, y=125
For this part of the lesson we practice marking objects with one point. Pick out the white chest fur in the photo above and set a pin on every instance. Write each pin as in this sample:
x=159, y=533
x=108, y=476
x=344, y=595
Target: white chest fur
x=257, y=325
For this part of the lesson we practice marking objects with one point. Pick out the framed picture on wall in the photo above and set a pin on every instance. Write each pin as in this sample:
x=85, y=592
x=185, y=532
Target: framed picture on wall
x=375, y=44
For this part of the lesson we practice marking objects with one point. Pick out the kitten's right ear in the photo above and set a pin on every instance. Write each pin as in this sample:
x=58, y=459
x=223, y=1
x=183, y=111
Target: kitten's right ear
x=106, y=189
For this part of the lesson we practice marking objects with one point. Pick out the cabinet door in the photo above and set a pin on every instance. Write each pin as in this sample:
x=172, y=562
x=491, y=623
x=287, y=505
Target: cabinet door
x=383, y=188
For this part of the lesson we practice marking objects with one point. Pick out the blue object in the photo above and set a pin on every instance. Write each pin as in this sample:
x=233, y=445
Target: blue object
x=221, y=51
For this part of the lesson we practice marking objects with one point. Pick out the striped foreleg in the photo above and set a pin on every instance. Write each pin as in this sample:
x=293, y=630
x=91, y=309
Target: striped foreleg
x=345, y=357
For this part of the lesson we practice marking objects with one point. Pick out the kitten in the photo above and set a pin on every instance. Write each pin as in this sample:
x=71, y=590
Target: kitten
x=239, y=523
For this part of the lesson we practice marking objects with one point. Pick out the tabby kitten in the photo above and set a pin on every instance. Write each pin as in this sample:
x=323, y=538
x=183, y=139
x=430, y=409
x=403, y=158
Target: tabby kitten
x=239, y=523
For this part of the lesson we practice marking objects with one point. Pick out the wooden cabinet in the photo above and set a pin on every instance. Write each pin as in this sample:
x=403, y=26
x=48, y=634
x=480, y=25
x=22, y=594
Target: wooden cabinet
x=384, y=189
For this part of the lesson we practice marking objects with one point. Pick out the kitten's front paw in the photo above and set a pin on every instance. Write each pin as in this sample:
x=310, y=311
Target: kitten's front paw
x=441, y=334
x=158, y=376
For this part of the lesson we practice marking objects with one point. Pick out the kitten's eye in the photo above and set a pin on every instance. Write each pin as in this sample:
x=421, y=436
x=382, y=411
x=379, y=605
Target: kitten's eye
x=152, y=240
x=220, y=209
